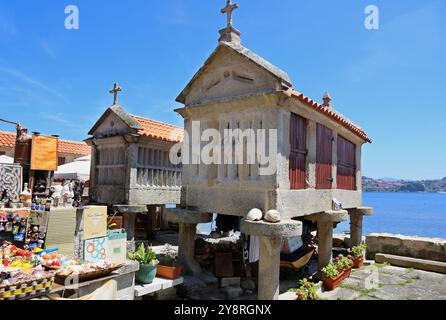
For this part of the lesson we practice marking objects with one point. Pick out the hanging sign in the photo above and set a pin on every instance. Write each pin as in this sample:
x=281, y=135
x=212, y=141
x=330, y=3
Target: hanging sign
x=44, y=154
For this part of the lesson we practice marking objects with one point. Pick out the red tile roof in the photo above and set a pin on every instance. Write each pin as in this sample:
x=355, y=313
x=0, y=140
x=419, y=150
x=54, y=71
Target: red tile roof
x=159, y=130
x=331, y=113
x=73, y=147
x=7, y=139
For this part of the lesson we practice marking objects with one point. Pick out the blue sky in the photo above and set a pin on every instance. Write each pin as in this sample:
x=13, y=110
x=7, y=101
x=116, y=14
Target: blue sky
x=391, y=81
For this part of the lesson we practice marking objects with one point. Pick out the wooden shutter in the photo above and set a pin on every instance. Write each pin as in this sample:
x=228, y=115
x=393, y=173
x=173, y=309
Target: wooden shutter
x=298, y=140
x=324, y=157
x=346, y=167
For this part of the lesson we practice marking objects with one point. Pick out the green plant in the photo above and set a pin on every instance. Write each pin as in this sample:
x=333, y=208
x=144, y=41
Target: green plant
x=307, y=290
x=343, y=263
x=168, y=257
x=145, y=256
x=358, y=251
x=331, y=271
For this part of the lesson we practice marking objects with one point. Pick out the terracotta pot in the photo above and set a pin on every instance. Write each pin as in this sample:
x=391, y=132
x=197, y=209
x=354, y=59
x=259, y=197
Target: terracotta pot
x=171, y=273
x=331, y=284
x=358, y=262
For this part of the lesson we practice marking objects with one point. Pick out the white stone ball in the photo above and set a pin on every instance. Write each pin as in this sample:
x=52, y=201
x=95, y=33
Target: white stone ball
x=254, y=215
x=272, y=216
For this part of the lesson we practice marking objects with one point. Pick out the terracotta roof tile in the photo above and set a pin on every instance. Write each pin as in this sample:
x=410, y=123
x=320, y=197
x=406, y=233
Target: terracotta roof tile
x=331, y=113
x=7, y=139
x=72, y=147
x=159, y=130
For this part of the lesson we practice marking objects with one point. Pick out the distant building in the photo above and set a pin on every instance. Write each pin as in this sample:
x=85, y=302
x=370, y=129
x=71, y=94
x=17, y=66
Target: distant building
x=68, y=150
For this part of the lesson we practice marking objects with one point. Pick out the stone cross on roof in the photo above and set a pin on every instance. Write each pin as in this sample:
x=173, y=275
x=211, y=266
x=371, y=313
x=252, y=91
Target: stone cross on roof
x=116, y=89
x=229, y=9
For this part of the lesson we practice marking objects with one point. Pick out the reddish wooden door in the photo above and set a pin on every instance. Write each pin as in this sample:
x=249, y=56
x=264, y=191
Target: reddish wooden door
x=298, y=154
x=324, y=157
x=346, y=166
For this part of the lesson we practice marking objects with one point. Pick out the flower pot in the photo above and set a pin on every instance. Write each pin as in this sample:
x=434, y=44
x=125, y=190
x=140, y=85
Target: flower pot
x=171, y=273
x=331, y=284
x=358, y=262
x=146, y=273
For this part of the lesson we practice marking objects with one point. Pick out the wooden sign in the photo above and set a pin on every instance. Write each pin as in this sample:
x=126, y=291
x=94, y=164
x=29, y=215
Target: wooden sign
x=44, y=154
x=95, y=222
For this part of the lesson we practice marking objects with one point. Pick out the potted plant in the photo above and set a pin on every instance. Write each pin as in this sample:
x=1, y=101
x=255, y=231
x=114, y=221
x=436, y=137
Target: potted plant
x=307, y=290
x=332, y=277
x=147, y=263
x=168, y=267
x=344, y=265
x=336, y=272
x=357, y=255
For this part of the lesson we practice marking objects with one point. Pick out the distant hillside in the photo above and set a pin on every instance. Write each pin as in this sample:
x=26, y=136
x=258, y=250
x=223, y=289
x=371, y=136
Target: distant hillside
x=395, y=185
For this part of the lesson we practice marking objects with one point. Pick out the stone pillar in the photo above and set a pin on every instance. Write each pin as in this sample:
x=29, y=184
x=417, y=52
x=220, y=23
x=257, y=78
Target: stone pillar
x=269, y=265
x=187, y=220
x=325, y=248
x=129, y=213
x=186, y=248
x=151, y=222
x=325, y=221
x=271, y=235
x=356, y=218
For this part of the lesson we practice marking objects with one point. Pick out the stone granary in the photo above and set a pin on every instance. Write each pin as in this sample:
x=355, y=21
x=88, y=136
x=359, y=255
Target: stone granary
x=317, y=160
x=130, y=166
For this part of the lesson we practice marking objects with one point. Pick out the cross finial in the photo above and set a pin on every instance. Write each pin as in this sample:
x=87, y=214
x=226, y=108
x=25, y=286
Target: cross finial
x=327, y=99
x=116, y=89
x=229, y=9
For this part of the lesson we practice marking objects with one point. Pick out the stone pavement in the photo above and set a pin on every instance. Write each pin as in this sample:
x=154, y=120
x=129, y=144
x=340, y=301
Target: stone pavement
x=384, y=282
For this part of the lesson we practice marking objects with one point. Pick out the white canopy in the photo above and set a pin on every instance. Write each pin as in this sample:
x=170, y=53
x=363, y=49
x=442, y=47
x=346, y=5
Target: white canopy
x=6, y=159
x=79, y=169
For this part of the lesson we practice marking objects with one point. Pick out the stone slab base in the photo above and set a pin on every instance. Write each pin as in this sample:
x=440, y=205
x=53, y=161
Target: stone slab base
x=420, y=264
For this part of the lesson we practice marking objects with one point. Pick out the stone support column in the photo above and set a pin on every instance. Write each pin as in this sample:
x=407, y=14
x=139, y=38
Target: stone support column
x=129, y=213
x=271, y=236
x=325, y=221
x=188, y=220
x=356, y=218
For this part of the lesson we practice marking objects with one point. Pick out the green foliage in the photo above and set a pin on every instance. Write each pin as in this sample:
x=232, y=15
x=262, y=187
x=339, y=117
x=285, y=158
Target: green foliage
x=307, y=290
x=145, y=256
x=343, y=263
x=331, y=271
x=169, y=256
x=358, y=251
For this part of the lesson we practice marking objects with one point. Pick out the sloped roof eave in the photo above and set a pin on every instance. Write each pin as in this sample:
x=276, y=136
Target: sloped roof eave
x=332, y=114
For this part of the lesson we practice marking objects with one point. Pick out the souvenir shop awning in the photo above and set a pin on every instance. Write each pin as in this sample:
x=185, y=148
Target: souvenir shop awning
x=79, y=169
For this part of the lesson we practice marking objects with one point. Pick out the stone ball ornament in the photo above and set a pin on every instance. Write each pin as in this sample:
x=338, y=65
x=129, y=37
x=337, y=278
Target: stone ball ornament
x=272, y=216
x=254, y=215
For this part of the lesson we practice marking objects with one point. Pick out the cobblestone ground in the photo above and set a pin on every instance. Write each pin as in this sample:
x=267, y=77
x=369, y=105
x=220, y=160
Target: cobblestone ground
x=384, y=282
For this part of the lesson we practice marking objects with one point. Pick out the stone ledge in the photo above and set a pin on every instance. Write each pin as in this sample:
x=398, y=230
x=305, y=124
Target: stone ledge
x=282, y=229
x=158, y=284
x=129, y=267
x=406, y=262
x=187, y=216
x=364, y=211
x=130, y=209
x=329, y=216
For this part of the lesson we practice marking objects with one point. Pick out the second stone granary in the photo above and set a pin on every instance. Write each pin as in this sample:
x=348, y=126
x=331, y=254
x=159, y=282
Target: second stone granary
x=130, y=160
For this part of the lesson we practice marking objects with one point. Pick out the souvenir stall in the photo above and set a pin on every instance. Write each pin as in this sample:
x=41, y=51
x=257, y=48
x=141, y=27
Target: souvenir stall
x=28, y=270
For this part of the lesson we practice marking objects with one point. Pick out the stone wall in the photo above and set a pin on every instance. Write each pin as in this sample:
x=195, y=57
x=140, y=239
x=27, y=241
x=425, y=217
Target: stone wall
x=414, y=247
